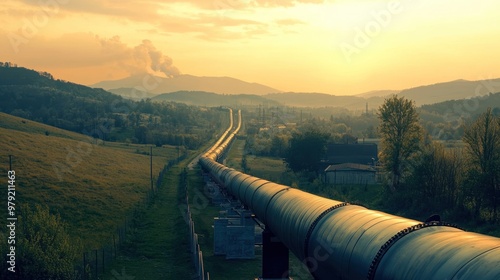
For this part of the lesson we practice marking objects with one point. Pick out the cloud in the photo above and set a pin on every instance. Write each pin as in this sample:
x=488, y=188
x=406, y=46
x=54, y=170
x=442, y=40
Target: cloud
x=289, y=21
x=87, y=50
x=285, y=3
x=132, y=9
x=208, y=19
x=243, y=4
x=143, y=9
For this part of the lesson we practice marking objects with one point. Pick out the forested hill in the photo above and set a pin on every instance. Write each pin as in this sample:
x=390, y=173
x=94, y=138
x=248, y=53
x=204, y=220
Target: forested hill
x=201, y=98
x=472, y=106
x=445, y=120
x=38, y=96
x=20, y=76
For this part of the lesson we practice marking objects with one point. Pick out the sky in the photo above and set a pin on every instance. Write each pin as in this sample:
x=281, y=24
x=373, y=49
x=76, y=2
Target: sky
x=339, y=47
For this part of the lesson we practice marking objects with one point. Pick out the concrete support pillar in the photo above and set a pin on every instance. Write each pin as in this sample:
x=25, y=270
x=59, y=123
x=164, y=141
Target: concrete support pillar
x=274, y=258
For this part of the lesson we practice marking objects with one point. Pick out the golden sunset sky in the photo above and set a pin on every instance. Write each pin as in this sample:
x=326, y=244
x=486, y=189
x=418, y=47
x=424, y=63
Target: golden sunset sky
x=339, y=47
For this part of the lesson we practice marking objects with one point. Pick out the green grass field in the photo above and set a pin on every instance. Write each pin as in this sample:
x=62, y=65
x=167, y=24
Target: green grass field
x=235, y=155
x=93, y=187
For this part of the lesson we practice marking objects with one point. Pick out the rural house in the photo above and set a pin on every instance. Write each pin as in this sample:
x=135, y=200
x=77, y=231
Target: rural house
x=350, y=174
x=352, y=153
x=351, y=164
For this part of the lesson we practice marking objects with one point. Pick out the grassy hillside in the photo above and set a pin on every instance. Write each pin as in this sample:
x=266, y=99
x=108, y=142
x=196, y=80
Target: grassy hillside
x=23, y=125
x=91, y=186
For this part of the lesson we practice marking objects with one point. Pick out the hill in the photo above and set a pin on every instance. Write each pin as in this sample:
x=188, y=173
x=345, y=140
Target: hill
x=462, y=109
x=158, y=85
x=201, y=98
x=39, y=97
x=296, y=99
x=132, y=94
x=91, y=186
x=422, y=95
x=377, y=93
x=24, y=125
x=459, y=89
x=14, y=77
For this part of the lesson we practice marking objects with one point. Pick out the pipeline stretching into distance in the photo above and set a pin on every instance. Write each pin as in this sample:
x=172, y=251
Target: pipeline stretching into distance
x=338, y=240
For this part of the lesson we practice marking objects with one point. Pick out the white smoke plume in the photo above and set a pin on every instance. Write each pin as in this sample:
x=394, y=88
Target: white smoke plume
x=153, y=60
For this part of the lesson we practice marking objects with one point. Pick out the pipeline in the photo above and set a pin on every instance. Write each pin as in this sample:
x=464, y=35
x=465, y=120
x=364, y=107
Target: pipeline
x=338, y=240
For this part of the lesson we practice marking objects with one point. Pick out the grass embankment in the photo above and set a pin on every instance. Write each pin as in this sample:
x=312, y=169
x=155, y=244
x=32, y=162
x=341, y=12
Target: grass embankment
x=93, y=187
x=235, y=154
x=157, y=247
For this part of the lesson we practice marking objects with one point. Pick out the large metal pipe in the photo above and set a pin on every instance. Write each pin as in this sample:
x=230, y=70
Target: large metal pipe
x=342, y=241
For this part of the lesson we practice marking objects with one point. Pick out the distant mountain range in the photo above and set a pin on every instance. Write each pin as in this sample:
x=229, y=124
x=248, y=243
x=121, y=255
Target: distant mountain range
x=300, y=99
x=422, y=95
x=202, y=98
x=159, y=85
x=378, y=93
x=225, y=91
x=459, y=89
x=229, y=91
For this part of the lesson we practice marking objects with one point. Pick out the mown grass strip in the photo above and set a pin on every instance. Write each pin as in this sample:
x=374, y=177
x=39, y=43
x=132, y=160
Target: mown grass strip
x=157, y=245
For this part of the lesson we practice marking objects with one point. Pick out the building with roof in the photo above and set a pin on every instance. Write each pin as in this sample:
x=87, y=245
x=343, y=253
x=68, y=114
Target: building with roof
x=352, y=153
x=350, y=174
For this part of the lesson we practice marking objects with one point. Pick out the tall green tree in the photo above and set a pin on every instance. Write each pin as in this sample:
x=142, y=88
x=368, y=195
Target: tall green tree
x=401, y=134
x=482, y=139
x=306, y=150
x=436, y=177
x=279, y=145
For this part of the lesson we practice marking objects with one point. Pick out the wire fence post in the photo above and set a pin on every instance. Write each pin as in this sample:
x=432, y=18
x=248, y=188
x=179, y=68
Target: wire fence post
x=84, y=270
x=151, y=167
x=114, y=245
x=96, y=270
x=103, y=260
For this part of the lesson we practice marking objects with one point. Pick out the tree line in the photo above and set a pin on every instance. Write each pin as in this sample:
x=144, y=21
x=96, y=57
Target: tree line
x=423, y=175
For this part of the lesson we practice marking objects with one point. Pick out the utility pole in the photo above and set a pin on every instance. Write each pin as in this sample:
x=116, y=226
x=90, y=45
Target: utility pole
x=151, y=167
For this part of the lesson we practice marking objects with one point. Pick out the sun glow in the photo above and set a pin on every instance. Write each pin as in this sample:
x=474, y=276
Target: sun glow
x=339, y=47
